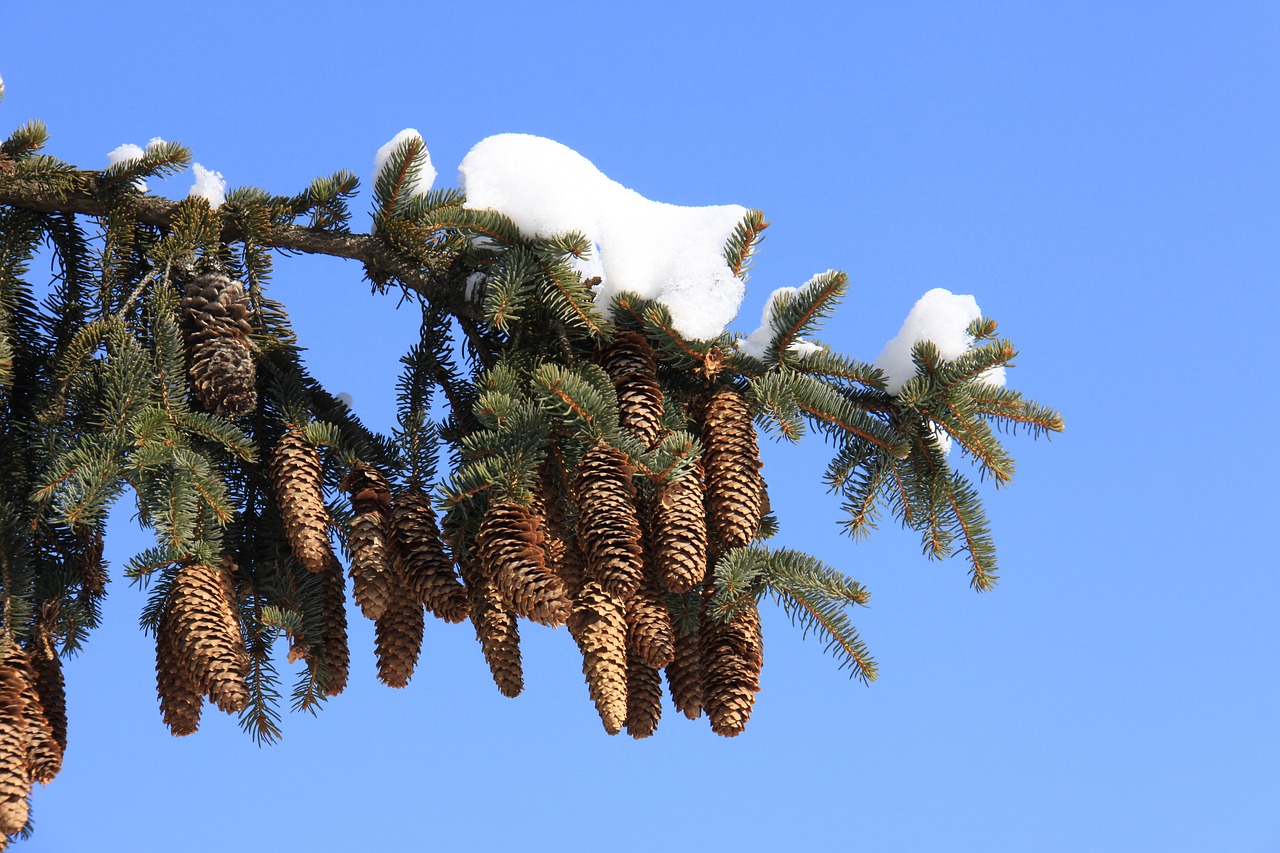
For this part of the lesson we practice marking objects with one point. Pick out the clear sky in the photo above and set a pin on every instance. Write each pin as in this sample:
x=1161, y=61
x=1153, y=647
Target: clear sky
x=1102, y=176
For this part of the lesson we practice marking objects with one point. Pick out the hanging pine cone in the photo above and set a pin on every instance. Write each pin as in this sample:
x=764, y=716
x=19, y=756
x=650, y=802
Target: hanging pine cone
x=649, y=634
x=90, y=567
x=644, y=698
x=630, y=364
x=180, y=698
x=298, y=482
x=423, y=561
x=735, y=489
x=600, y=630
x=608, y=529
x=398, y=639
x=333, y=625
x=15, y=773
x=44, y=754
x=207, y=636
x=563, y=555
x=732, y=654
x=509, y=547
x=495, y=626
x=372, y=582
x=680, y=533
x=215, y=325
x=46, y=668
x=684, y=675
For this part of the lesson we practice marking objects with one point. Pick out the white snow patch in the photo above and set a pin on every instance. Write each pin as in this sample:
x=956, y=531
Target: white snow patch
x=660, y=251
x=155, y=142
x=128, y=153
x=801, y=348
x=939, y=316
x=426, y=172
x=209, y=185
x=941, y=438
x=758, y=341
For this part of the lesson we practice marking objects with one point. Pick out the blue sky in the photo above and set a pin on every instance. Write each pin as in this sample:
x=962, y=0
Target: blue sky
x=1103, y=177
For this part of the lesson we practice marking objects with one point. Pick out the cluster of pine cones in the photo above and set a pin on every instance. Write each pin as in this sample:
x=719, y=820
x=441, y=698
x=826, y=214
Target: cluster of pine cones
x=615, y=573
x=33, y=725
x=593, y=552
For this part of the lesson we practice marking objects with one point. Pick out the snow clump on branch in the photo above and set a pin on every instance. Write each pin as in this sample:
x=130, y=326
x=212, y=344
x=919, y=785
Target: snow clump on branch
x=426, y=176
x=939, y=316
x=660, y=251
x=209, y=186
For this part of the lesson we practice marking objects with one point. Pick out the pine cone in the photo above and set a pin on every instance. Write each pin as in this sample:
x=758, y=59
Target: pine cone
x=649, y=634
x=298, y=482
x=15, y=777
x=600, y=629
x=206, y=633
x=398, y=634
x=630, y=364
x=215, y=324
x=180, y=697
x=508, y=545
x=423, y=561
x=46, y=667
x=608, y=529
x=684, y=675
x=644, y=698
x=735, y=489
x=732, y=654
x=680, y=534
x=333, y=625
x=90, y=566
x=372, y=582
x=44, y=754
x=495, y=626
x=223, y=376
x=563, y=556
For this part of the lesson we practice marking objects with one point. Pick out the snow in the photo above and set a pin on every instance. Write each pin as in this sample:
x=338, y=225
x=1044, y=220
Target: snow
x=155, y=142
x=426, y=172
x=345, y=399
x=128, y=153
x=758, y=341
x=939, y=316
x=660, y=251
x=801, y=348
x=209, y=186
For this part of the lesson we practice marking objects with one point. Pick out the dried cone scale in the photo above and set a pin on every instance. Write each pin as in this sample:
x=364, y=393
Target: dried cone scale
x=608, y=529
x=600, y=630
x=644, y=698
x=372, y=581
x=398, y=640
x=495, y=626
x=509, y=547
x=206, y=633
x=680, y=533
x=735, y=489
x=423, y=562
x=215, y=325
x=732, y=655
x=630, y=364
x=298, y=482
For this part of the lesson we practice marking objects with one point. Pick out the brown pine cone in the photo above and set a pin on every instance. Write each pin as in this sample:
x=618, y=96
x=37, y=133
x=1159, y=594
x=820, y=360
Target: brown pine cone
x=90, y=566
x=422, y=559
x=608, y=529
x=215, y=306
x=333, y=614
x=630, y=364
x=684, y=675
x=649, y=634
x=563, y=555
x=398, y=637
x=180, y=698
x=207, y=636
x=509, y=547
x=15, y=778
x=369, y=539
x=223, y=376
x=44, y=753
x=735, y=489
x=644, y=698
x=298, y=482
x=600, y=630
x=46, y=668
x=732, y=655
x=496, y=627
x=680, y=533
